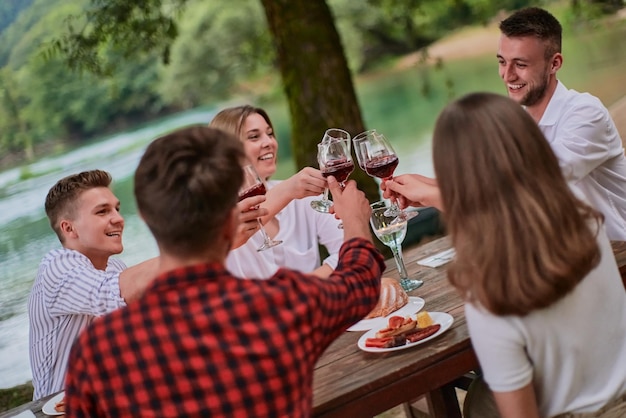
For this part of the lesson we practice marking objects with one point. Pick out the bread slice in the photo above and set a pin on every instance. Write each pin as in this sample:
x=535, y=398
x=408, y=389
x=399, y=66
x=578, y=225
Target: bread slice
x=392, y=297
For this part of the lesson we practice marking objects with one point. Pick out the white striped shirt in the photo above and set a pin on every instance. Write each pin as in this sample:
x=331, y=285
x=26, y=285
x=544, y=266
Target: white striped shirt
x=68, y=293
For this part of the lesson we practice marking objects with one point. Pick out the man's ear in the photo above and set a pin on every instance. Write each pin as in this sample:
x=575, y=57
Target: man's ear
x=67, y=228
x=557, y=63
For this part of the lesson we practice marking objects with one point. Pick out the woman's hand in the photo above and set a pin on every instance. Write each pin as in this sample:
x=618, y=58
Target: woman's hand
x=306, y=182
x=413, y=190
x=250, y=211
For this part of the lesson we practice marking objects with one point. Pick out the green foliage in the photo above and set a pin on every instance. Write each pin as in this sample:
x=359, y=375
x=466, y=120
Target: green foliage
x=16, y=396
x=374, y=29
x=214, y=50
x=127, y=27
x=220, y=46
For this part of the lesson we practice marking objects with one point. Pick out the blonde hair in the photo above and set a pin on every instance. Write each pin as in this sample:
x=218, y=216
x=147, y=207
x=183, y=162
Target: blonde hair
x=232, y=119
x=523, y=240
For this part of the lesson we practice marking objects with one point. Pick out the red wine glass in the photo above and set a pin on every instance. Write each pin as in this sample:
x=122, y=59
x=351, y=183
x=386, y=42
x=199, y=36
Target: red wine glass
x=254, y=186
x=377, y=157
x=335, y=159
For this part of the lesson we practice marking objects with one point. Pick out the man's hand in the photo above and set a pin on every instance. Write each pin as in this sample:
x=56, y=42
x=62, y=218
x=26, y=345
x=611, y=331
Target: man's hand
x=351, y=206
x=249, y=212
x=306, y=182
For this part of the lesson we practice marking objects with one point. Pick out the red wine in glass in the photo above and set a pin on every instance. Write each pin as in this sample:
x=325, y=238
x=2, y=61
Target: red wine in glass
x=256, y=190
x=339, y=170
x=382, y=167
x=356, y=141
x=254, y=186
x=334, y=158
x=378, y=158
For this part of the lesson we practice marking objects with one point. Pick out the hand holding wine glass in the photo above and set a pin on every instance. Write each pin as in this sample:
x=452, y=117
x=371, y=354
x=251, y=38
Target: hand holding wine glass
x=334, y=158
x=391, y=232
x=254, y=186
x=250, y=210
x=377, y=157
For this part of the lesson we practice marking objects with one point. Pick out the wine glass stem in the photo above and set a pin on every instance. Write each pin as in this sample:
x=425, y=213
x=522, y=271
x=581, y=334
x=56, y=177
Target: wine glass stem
x=266, y=237
x=393, y=207
x=397, y=256
x=325, y=198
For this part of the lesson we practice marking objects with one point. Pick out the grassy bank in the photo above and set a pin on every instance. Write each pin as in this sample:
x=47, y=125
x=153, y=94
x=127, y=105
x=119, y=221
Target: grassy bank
x=16, y=396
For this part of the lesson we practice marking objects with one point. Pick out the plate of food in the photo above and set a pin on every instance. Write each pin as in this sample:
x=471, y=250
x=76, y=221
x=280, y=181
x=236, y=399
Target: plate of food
x=55, y=405
x=401, y=333
x=393, y=300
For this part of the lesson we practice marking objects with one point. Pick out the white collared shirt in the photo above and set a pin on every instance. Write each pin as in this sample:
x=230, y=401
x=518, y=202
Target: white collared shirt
x=68, y=293
x=301, y=230
x=590, y=151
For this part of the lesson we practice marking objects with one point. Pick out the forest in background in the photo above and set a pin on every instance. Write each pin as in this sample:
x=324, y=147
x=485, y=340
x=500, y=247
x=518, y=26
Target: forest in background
x=223, y=50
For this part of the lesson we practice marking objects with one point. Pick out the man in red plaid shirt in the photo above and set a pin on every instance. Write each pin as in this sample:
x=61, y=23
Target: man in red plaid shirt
x=201, y=342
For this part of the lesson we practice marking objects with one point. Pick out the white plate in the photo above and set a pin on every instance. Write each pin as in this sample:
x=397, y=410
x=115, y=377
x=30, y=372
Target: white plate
x=413, y=306
x=442, y=318
x=48, y=408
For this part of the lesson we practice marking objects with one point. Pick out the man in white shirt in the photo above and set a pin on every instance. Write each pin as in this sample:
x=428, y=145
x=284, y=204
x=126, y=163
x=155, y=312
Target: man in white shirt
x=578, y=127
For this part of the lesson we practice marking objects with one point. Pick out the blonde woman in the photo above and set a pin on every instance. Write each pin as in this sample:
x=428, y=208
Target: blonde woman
x=289, y=215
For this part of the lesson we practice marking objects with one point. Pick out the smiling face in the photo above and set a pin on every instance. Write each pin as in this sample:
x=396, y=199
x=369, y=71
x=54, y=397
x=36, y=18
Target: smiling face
x=529, y=77
x=95, y=226
x=260, y=144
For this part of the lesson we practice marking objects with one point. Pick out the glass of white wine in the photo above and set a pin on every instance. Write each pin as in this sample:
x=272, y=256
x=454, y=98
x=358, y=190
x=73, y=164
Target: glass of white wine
x=391, y=232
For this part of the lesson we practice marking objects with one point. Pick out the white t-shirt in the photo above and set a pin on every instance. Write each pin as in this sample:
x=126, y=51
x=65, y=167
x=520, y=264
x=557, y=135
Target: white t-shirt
x=301, y=229
x=590, y=151
x=573, y=352
x=68, y=293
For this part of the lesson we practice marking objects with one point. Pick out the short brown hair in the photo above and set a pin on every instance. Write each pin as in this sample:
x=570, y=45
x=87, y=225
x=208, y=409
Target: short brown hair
x=62, y=197
x=533, y=21
x=523, y=240
x=186, y=184
x=232, y=119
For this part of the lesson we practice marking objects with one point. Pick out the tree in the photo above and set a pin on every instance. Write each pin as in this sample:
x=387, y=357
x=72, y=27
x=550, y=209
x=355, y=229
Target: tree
x=315, y=73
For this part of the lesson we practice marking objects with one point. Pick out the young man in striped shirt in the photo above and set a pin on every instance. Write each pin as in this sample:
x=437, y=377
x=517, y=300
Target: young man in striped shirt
x=79, y=281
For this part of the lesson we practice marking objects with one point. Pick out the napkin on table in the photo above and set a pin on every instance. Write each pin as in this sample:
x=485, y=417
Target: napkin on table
x=438, y=259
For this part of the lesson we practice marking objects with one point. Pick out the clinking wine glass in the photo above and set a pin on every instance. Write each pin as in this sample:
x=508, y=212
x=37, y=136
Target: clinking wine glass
x=391, y=232
x=334, y=158
x=254, y=186
x=378, y=159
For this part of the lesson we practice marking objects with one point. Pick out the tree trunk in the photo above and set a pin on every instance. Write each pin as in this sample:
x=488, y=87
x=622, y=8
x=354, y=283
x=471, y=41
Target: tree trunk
x=316, y=79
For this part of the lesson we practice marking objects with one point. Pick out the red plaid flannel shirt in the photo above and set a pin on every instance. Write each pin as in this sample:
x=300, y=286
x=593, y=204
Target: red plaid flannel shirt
x=201, y=342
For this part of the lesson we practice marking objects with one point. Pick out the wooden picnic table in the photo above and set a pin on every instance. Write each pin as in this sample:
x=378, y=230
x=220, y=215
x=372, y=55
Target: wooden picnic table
x=349, y=382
